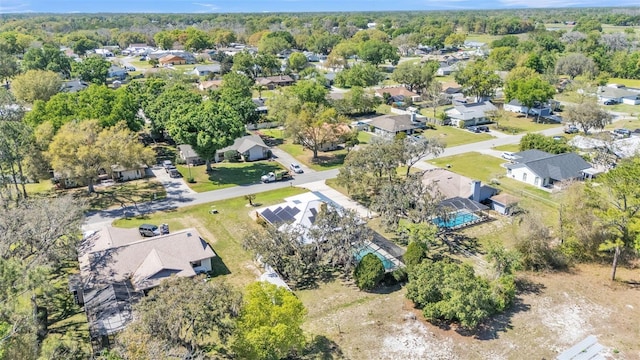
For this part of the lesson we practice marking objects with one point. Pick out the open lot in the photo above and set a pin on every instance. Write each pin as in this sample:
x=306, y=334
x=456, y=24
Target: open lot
x=226, y=175
x=453, y=136
x=517, y=123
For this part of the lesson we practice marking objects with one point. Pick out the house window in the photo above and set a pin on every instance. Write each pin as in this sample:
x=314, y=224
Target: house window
x=196, y=263
x=536, y=181
x=524, y=177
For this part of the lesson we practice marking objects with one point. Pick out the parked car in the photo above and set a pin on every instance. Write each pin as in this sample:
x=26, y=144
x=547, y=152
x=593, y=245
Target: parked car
x=170, y=168
x=622, y=132
x=174, y=173
x=473, y=129
x=610, y=102
x=571, y=129
x=166, y=163
x=296, y=168
x=149, y=230
x=483, y=128
x=508, y=156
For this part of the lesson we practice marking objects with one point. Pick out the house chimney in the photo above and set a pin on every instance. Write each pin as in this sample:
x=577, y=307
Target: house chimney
x=475, y=190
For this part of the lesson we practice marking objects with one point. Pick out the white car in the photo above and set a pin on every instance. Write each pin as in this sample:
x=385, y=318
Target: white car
x=296, y=168
x=508, y=156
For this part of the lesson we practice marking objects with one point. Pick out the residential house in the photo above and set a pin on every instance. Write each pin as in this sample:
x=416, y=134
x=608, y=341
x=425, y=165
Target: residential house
x=339, y=133
x=205, y=70
x=188, y=57
x=271, y=82
x=398, y=93
x=250, y=148
x=117, y=267
x=446, y=69
x=543, y=170
x=117, y=72
x=72, y=86
x=188, y=155
x=390, y=125
x=618, y=93
x=517, y=107
x=121, y=173
x=104, y=52
x=172, y=60
x=210, y=84
x=504, y=203
x=463, y=115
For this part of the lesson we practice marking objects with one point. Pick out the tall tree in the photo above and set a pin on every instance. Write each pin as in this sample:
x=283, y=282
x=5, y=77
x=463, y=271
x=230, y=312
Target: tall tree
x=208, y=128
x=377, y=52
x=93, y=69
x=315, y=126
x=8, y=66
x=270, y=323
x=49, y=57
x=574, y=65
x=182, y=315
x=297, y=61
x=478, y=79
x=15, y=141
x=82, y=149
x=415, y=76
x=616, y=203
x=588, y=115
x=36, y=85
x=530, y=92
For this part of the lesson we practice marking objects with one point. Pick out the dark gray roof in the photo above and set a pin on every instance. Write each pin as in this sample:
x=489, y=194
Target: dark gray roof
x=460, y=203
x=531, y=155
x=556, y=167
x=109, y=308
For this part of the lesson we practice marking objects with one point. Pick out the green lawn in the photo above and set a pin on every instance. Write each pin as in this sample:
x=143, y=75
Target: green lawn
x=226, y=175
x=518, y=123
x=632, y=110
x=625, y=82
x=454, y=136
x=365, y=137
x=486, y=168
x=626, y=124
x=383, y=109
x=121, y=194
x=224, y=230
x=39, y=187
x=508, y=147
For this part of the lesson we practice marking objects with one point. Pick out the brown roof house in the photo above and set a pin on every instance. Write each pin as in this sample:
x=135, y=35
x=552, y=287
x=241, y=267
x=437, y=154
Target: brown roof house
x=117, y=267
x=271, y=82
x=210, y=84
x=390, y=125
x=172, y=60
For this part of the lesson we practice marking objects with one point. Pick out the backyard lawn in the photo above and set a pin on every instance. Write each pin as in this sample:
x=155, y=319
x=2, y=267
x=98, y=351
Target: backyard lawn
x=517, y=123
x=39, y=187
x=224, y=230
x=226, y=174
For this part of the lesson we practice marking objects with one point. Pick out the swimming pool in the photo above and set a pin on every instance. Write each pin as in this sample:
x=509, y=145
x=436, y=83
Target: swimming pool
x=388, y=264
x=456, y=219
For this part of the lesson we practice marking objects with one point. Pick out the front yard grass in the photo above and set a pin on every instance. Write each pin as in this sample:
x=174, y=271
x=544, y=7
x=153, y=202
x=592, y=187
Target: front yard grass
x=508, y=147
x=226, y=175
x=224, y=230
x=453, y=136
x=43, y=186
x=517, y=123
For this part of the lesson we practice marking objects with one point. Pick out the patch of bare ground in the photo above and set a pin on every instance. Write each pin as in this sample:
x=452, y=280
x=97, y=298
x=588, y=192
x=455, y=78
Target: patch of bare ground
x=552, y=312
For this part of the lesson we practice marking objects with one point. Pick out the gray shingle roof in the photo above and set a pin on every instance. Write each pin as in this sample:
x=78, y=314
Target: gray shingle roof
x=394, y=124
x=556, y=167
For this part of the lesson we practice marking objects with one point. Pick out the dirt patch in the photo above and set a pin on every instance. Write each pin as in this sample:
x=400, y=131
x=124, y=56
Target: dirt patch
x=551, y=314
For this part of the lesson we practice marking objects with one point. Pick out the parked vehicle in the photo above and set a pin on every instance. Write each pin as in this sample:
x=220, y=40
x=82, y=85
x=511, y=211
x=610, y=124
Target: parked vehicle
x=571, y=129
x=166, y=163
x=622, y=132
x=170, y=168
x=296, y=168
x=149, y=230
x=276, y=176
x=473, y=129
x=483, y=128
x=610, y=102
x=508, y=156
x=174, y=173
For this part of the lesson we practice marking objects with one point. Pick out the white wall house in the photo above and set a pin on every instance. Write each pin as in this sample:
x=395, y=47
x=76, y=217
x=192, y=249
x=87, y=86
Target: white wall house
x=541, y=169
x=619, y=94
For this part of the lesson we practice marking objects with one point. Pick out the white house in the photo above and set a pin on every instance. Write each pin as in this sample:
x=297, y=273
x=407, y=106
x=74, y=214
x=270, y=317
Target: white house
x=541, y=169
x=463, y=115
x=188, y=155
x=618, y=93
x=204, y=70
x=517, y=107
x=390, y=125
x=121, y=173
x=250, y=148
x=104, y=52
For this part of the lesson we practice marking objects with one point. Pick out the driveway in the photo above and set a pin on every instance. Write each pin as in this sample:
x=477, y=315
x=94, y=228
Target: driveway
x=175, y=187
x=285, y=159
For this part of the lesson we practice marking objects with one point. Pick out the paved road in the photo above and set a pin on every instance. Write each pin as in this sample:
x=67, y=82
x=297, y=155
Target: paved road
x=178, y=197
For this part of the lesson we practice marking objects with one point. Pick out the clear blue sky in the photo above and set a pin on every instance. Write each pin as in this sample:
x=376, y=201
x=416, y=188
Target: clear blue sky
x=222, y=6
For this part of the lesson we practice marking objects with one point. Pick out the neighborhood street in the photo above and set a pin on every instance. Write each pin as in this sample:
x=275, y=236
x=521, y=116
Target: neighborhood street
x=180, y=195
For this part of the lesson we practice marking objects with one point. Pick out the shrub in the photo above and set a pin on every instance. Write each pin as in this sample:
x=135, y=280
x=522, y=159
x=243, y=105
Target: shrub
x=231, y=156
x=416, y=252
x=369, y=272
x=191, y=180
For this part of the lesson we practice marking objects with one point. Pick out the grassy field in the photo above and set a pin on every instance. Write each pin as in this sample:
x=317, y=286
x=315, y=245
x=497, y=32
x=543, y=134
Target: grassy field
x=226, y=175
x=508, y=147
x=626, y=124
x=518, y=123
x=40, y=187
x=224, y=231
x=453, y=136
x=626, y=82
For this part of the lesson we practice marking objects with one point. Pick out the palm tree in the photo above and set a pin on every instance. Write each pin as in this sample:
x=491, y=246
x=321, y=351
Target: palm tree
x=259, y=88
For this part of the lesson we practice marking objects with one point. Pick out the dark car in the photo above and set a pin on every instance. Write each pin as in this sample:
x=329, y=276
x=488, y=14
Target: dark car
x=571, y=129
x=483, y=128
x=149, y=230
x=622, y=132
x=174, y=173
x=473, y=129
x=610, y=102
